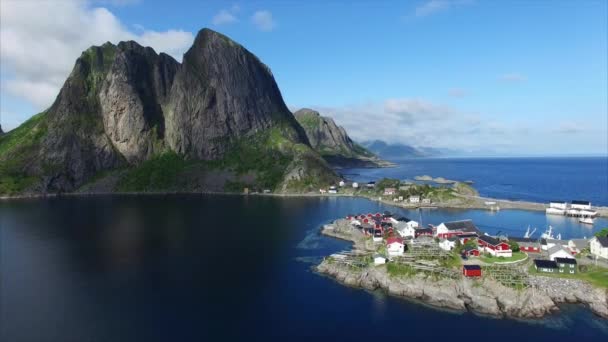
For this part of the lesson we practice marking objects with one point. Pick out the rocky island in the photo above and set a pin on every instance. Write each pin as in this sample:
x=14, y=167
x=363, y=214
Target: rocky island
x=429, y=275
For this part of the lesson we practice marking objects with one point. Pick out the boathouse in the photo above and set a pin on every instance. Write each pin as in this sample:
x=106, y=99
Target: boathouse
x=423, y=232
x=546, y=266
x=454, y=228
x=494, y=246
x=566, y=265
x=581, y=205
x=471, y=270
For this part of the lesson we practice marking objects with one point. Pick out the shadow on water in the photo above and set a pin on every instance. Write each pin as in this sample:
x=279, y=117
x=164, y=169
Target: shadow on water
x=164, y=268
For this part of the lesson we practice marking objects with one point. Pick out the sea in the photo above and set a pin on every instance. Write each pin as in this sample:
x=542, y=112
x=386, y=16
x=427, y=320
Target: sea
x=232, y=268
x=529, y=179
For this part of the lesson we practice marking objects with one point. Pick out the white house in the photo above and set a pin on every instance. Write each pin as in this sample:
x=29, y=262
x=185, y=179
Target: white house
x=379, y=260
x=448, y=244
x=426, y=201
x=355, y=185
x=341, y=184
x=371, y=184
x=581, y=205
x=599, y=246
x=406, y=230
x=394, y=246
x=414, y=199
x=577, y=245
x=558, y=251
x=322, y=191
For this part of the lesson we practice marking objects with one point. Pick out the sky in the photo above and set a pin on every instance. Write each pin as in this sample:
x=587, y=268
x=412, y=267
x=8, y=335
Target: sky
x=480, y=76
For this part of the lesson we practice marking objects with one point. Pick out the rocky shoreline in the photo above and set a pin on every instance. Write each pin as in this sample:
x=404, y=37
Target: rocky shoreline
x=481, y=296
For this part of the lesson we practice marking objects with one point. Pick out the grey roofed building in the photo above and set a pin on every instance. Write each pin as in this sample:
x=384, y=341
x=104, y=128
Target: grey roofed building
x=556, y=248
x=603, y=240
x=464, y=225
x=580, y=243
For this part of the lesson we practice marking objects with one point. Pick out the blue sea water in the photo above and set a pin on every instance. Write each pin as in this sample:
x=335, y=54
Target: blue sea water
x=224, y=268
x=530, y=179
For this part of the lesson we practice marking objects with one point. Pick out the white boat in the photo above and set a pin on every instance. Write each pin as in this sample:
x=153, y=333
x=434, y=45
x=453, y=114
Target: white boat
x=586, y=220
x=548, y=234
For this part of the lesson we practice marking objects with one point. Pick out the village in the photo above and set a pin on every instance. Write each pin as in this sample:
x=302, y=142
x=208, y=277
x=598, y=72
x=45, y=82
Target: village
x=397, y=249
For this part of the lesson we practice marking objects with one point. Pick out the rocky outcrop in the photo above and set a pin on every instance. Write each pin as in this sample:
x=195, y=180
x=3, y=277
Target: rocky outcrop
x=124, y=104
x=223, y=92
x=487, y=297
x=333, y=143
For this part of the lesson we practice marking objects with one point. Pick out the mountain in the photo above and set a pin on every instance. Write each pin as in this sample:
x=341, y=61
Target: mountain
x=333, y=143
x=129, y=119
x=393, y=151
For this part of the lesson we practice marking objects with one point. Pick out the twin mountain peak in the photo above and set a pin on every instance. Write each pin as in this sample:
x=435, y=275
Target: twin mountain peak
x=129, y=119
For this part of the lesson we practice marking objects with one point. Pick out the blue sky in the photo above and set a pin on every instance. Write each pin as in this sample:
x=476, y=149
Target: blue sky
x=487, y=77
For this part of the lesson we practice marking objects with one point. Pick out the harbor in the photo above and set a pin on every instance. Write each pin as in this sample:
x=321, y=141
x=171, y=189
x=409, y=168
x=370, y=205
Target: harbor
x=456, y=265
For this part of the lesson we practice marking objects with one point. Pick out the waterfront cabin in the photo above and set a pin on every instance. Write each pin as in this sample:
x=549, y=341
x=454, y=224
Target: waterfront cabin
x=581, y=205
x=558, y=251
x=527, y=245
x=471, y=271
x=470, y=251
x=379, y=260
x=545, y=266
x=566, y=265
x=394, y=246
x=494, y=246
x=414, y=199
x=448, y=244
x=355, y=185
x=333, y=189
x=371, y=185
x=426, y=201
x=423, y=232
x=389, y=191
x=557, y=208
x=456, y=228
x=322, y=191
x=341, y=184
x=598, y=246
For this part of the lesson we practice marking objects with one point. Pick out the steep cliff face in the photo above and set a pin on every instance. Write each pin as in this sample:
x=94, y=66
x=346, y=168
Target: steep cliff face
x=125, y=105
x=332, y=141
x=223, y=92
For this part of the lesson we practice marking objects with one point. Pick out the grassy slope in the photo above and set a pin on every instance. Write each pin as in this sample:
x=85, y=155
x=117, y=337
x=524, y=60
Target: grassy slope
x=18, y=148
x=261, y=161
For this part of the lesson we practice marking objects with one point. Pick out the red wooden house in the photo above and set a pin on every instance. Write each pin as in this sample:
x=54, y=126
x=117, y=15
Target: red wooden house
x=494, y=246
x=471, y=270
x=470, y=251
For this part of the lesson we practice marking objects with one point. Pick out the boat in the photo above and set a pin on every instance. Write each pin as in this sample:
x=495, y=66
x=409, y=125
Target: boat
x=586, y=220
x=548, y=234
x=528, y=233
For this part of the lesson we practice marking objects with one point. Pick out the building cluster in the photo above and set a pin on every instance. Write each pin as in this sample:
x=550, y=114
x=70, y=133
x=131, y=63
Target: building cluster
x=575, y=208
x=550, y=255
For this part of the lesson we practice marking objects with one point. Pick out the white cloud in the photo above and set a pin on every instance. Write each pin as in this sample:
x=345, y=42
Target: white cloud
x=226, y=16
x=434, y=6
x=513, y=77
x=263, y=20
x=38, y=49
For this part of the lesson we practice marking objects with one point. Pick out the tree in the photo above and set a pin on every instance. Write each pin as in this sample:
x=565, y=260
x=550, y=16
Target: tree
x=603, y=232
x=514, y=246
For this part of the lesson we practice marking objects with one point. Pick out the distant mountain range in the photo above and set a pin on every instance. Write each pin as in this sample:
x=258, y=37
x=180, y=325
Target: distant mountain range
x=396, y=151
x=333, y=143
